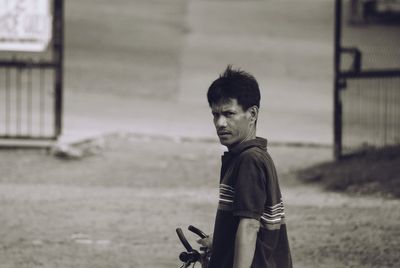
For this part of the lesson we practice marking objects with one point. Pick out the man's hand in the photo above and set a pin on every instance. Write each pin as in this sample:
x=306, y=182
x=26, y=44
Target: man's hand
x=245, y=242
x=205, y=255
x=206, y=242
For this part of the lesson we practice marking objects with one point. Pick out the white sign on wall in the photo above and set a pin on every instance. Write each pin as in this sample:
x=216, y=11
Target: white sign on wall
x=25, y=25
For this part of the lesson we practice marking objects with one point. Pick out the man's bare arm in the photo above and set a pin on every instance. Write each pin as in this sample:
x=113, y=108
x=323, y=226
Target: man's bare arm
x=245, y=242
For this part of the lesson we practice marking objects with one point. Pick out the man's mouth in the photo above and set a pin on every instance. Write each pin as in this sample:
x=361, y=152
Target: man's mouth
x=223, y=133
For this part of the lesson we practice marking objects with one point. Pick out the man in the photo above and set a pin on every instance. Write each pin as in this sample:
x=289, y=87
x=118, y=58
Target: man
x=250, y=228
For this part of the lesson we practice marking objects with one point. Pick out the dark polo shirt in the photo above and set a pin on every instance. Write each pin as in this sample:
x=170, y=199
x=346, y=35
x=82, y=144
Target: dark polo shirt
x=249, y=188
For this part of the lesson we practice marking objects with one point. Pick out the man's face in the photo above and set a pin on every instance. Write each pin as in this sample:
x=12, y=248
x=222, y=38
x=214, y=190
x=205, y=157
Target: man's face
x=232, y=123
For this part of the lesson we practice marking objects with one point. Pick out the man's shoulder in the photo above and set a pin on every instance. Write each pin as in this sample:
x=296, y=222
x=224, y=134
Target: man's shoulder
x=255, y=155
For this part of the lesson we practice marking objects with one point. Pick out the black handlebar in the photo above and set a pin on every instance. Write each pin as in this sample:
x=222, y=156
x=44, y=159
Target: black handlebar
x=197, y=231
x=182, y=237
x=191, y=256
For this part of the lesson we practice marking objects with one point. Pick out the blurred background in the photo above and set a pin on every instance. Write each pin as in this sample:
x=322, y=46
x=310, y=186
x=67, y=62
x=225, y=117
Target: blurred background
x=169, y=53
x=119, y=95
x=158, y=58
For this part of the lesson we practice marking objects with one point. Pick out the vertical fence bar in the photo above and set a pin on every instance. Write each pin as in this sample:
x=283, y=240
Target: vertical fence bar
x=385, y=112
x=370, y=118
x=58, y=35
x=337, y=120
x=29, y=102
x=41, y=101
x=360, y=120
x=374, y=106
x=380, y=111
x=396, y=117
x=397, y=111
x=7, y=112
x=394, y=110
x=18, y=100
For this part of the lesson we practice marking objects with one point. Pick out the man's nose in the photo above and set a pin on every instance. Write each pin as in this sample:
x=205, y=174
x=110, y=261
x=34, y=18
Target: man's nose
x=220, y=122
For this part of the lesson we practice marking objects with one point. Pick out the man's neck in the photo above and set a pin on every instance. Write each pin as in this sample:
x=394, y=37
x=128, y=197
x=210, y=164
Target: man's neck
x=251, y=136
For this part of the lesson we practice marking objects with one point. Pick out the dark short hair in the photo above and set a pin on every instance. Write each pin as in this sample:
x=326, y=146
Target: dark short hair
x=235, y=84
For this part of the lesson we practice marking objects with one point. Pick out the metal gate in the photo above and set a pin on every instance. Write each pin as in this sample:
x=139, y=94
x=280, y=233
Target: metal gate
x=367, y=77
x=31, y=85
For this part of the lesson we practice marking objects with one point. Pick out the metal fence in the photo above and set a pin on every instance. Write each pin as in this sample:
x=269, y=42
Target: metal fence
x=367, y=80
x=31, y=88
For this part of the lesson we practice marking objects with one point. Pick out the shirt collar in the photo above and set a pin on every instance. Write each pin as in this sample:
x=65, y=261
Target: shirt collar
x=257, y=142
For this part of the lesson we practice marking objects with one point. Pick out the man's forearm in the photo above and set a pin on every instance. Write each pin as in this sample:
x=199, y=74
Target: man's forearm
x=245, y=242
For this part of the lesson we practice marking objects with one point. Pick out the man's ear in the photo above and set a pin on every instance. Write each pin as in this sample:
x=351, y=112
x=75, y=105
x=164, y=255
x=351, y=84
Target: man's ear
x=253, y=111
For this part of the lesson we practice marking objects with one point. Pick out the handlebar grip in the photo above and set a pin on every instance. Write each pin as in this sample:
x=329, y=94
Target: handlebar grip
x=197, y=231
x=183, y=239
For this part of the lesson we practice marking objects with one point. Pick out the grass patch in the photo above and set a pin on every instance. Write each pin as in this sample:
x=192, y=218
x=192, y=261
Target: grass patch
x=375, y=172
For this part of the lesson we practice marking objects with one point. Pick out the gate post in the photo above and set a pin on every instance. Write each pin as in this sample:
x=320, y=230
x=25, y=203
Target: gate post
x=337, y=106
x=58, y=57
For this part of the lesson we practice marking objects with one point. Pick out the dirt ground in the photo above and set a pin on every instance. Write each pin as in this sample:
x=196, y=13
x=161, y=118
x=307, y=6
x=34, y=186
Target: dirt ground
x=120, y=204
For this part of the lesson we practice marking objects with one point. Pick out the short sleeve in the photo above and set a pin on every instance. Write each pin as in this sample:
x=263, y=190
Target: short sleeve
x=250, y=187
